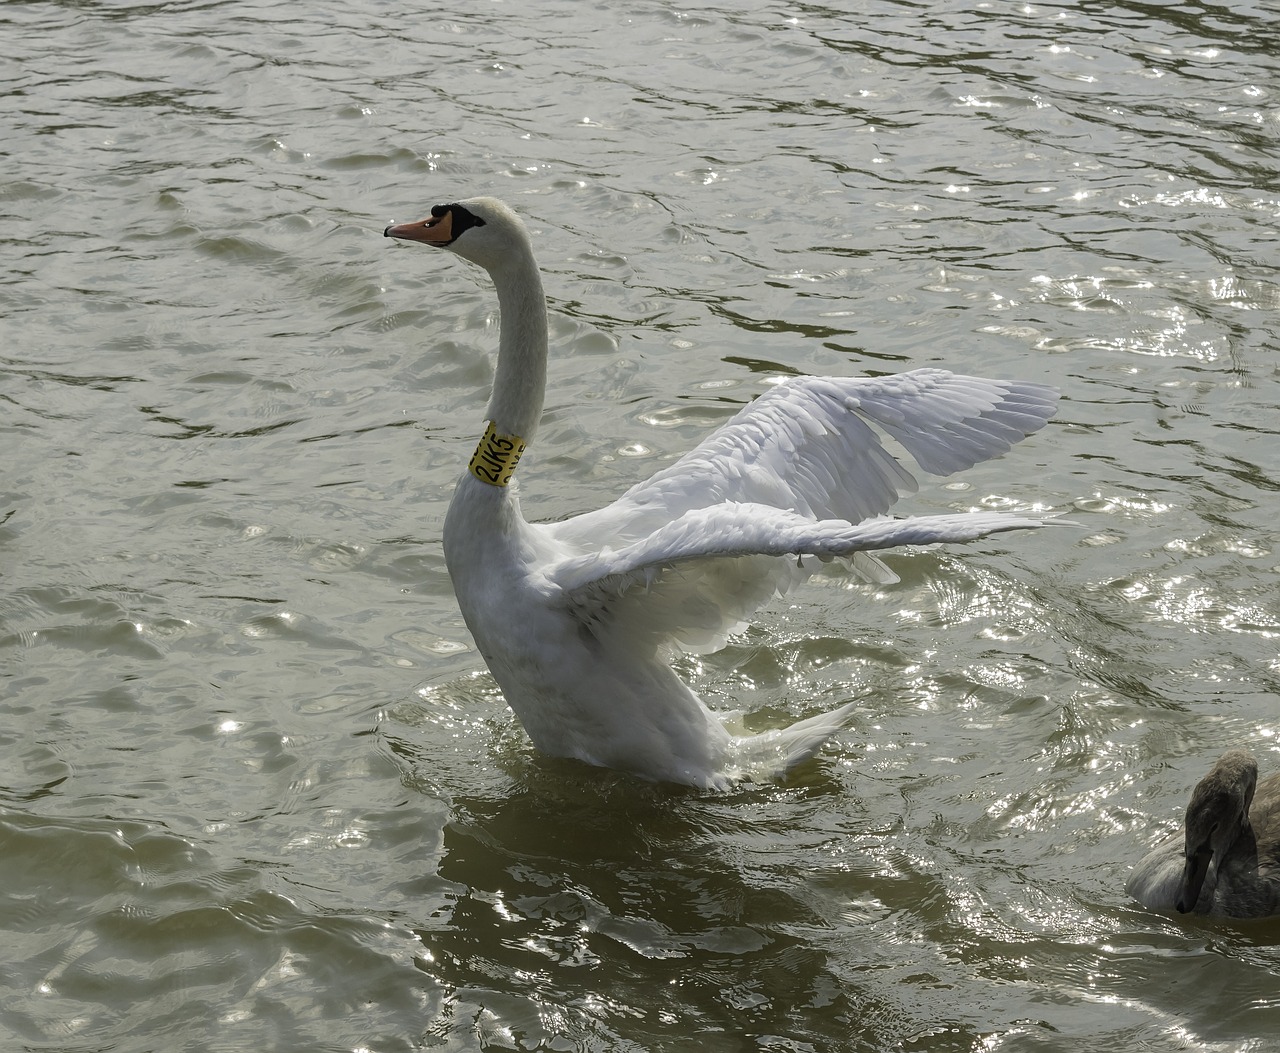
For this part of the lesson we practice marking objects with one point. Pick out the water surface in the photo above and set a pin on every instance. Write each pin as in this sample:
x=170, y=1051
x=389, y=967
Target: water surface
x=260, y=792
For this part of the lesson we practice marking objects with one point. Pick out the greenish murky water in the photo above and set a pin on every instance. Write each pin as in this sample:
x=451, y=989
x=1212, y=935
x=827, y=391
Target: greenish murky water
x=258, y=791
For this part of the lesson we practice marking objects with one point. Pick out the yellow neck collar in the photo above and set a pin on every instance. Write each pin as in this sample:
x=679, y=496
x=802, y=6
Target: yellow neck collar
x=495, y=459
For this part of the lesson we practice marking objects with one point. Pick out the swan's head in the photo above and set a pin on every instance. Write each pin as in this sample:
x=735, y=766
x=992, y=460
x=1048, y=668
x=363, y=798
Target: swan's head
x=1218, y=812
x=480, y=229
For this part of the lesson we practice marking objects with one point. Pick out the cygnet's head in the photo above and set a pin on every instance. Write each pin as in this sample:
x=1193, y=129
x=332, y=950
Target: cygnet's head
x=480, y=229
x=1218, y=812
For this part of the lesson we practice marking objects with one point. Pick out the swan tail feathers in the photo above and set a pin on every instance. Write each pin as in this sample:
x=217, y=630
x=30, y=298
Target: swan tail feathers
x=771, y=754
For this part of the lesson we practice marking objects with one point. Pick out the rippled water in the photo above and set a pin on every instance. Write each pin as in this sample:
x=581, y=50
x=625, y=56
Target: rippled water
x=259, y=792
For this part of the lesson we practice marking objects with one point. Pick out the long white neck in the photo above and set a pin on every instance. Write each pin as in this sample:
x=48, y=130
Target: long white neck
x=520, y=379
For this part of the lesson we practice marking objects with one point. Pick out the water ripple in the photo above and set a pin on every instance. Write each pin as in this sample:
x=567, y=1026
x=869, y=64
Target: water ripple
x=260, y=792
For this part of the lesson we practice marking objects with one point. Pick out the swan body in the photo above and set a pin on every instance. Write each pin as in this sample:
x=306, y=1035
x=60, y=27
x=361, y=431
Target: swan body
x=576, y=619
x=1226, y=861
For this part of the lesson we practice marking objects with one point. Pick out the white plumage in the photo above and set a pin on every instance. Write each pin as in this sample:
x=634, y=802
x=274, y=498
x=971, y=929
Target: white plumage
x=577, y=619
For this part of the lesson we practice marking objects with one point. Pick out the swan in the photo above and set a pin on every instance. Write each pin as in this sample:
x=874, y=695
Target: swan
x=1226, y=862
x=577, y=619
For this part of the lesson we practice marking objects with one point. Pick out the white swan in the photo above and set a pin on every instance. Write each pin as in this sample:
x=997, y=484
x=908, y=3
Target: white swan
x=576, y=619
x=1226, y=861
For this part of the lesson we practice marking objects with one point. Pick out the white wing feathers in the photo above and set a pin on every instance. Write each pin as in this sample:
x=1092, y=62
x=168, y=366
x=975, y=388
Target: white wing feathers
x=697, y=580
x=688, y=555
x=804, y=447
x=732, y=531
x=949, y=422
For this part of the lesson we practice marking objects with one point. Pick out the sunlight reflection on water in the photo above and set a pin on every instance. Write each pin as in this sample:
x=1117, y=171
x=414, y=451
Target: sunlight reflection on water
x=261, y=793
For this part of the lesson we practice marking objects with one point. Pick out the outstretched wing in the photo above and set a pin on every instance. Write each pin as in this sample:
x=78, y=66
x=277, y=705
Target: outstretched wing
x=806, y=446
x=696, y=579
x=689, y=554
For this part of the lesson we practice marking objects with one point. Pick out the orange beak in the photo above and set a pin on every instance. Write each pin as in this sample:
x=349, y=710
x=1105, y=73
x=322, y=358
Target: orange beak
x=434, y=230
